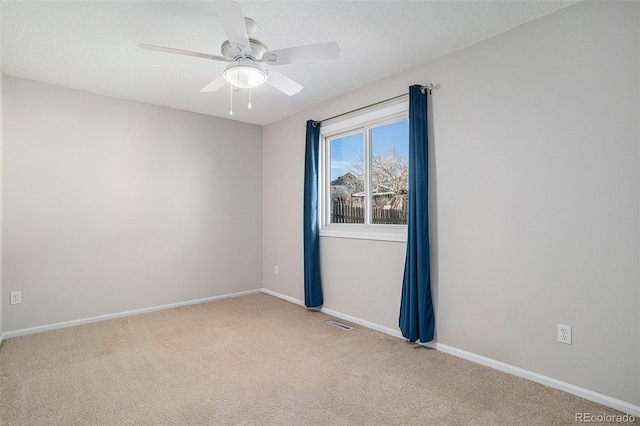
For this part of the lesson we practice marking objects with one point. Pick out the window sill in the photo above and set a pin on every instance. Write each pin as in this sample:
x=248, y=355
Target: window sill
x=397, y=236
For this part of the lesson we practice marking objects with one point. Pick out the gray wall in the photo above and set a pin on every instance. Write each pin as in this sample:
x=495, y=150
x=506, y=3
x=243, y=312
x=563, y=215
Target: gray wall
x=535, y=203
x=113, y=205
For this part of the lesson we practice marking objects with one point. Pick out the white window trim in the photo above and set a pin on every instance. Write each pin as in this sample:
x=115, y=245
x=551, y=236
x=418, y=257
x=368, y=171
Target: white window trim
x=356, y=231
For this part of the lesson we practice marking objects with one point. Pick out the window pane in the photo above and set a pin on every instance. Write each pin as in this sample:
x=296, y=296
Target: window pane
x=389, y=173
x=347, y=179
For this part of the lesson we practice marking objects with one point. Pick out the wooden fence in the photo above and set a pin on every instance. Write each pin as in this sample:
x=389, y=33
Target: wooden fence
x=389, y=216
x=346, y=213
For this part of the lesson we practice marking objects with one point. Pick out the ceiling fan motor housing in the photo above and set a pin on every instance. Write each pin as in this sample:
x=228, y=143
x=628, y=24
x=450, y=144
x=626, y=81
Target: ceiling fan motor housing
x=258, y=49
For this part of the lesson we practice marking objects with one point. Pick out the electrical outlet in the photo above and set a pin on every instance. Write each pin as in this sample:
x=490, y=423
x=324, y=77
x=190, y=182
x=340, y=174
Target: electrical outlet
x=564, y=334
x=275, y=270
x=16, y=297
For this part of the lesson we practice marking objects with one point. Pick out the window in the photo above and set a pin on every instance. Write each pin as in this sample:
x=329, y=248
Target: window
x=364, y=175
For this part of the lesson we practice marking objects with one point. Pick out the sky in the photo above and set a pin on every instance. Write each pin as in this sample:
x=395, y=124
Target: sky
x=350, y=149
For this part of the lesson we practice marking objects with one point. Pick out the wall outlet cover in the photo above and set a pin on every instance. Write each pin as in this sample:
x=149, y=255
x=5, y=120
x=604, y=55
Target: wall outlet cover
x=16, y=297
x=564, y=334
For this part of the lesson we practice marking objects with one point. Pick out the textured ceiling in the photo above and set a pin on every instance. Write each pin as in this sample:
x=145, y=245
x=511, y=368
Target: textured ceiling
x=93, y=45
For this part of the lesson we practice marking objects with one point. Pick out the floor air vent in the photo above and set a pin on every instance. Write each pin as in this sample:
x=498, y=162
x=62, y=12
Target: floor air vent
x=339, y=325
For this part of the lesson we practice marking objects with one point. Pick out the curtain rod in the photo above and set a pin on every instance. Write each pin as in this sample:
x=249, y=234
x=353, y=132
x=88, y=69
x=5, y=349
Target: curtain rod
x=423, y=89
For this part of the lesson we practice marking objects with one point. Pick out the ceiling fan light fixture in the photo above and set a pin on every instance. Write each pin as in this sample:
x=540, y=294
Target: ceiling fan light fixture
x=245, y=74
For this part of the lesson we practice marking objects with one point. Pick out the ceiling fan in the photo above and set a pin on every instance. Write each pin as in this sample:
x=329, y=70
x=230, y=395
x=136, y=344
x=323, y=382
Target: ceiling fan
x=248, y=57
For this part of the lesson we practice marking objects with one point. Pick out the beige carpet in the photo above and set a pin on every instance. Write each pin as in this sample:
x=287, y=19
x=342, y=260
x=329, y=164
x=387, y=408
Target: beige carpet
x=256, y=360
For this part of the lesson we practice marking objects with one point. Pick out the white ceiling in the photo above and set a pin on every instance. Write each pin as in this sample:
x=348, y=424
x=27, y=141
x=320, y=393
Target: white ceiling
x=93, y=45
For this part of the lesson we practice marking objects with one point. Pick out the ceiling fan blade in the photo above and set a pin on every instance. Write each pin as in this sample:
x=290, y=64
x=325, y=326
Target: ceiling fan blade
x=282, y=83
x=306, y=53
x=214, y=85
x=230, y=14
x=183, y=52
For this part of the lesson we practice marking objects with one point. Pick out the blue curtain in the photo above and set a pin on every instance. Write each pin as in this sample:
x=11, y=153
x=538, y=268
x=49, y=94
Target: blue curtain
x=416, y=310
x=312, y=283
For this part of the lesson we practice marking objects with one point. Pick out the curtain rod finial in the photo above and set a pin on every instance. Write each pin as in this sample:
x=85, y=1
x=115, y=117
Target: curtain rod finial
x=426, y=88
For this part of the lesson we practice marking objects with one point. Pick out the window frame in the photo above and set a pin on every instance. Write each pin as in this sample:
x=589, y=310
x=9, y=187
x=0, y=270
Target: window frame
x=388, y=114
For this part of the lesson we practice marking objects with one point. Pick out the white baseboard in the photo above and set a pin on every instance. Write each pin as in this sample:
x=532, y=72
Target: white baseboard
x=355, y=320
x=283, y=297
x=65, y=324
x=364, y=323
x=590, y=395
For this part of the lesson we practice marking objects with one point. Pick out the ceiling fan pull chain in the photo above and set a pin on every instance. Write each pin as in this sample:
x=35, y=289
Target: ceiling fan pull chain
x=231, y=102
x=249, y=98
